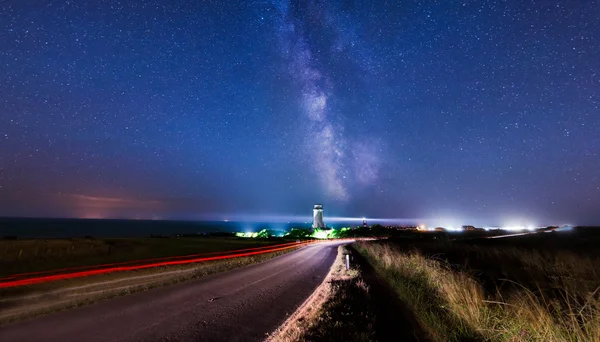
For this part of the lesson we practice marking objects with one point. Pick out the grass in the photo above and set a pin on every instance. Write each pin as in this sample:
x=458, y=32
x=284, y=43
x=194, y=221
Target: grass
x=338, y=310
x=461, y=292
x=31, y=255
x=25, y=302
x=350, y=305
x=346, y=316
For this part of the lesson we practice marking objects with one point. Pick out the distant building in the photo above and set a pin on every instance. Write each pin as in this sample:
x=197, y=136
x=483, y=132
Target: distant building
x=468, y=228
x=318, y=216
x=440, y=229
x=365, y=223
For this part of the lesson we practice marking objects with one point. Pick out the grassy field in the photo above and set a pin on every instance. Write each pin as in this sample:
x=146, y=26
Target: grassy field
x=20, y=256
x=34, y=255
x=494, y=291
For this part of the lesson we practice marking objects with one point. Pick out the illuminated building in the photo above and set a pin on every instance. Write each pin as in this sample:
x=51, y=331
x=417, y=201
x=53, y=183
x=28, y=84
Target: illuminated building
x=318, y=216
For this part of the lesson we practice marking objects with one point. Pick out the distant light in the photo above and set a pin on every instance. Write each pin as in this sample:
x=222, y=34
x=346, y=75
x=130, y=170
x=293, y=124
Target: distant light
x=564, y=228
x=246, y=234
x=452, y=228
x=321, y=234
x=514, y=228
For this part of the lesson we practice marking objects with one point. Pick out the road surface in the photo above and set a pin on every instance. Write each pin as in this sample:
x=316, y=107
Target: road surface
x=239, y=305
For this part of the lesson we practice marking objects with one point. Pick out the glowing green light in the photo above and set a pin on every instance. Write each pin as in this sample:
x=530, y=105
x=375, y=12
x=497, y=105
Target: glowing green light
x=324, y=234
x=246, y=235
x=263, y=234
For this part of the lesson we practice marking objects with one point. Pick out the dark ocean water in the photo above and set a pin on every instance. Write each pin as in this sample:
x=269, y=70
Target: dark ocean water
x=64, y=228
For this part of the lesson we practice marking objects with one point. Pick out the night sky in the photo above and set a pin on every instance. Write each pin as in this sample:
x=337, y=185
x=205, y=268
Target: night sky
x=483, y=112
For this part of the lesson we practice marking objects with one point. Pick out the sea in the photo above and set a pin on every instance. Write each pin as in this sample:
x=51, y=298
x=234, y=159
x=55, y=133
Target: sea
x=25, y=228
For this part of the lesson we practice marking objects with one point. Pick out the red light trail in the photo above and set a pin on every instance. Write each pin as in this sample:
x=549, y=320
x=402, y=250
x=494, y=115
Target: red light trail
x=20, y=275
x=166, y=262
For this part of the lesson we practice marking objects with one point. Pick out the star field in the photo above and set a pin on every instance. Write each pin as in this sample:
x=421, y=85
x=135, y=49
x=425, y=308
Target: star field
x=480, y=110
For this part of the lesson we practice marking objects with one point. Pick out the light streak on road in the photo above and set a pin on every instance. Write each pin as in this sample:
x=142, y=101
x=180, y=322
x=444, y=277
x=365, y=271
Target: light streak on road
x=20, y=275
x=49, y=278
x=509, y=235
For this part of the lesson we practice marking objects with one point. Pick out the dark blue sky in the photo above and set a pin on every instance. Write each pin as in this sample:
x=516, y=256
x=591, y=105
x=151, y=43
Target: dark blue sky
x=485, y=111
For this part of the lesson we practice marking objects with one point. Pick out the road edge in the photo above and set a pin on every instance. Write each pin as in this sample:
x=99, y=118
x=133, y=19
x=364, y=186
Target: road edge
x=290, y=329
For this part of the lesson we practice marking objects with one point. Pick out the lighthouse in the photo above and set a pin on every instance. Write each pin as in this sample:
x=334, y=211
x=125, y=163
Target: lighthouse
x=318, y=216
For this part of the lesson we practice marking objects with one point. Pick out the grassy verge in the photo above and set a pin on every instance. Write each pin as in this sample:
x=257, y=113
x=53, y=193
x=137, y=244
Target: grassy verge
x=346, y=316
x=338, y=310
x=556, y=298
x=350, y=305
x=29, y=301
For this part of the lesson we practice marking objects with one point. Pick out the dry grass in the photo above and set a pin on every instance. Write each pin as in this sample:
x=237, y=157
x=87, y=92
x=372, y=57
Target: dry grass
x=451, y=304
x=314, y=316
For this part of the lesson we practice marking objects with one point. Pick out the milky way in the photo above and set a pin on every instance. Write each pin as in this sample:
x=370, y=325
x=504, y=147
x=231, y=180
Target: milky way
x=329, y=151
x=485, y=112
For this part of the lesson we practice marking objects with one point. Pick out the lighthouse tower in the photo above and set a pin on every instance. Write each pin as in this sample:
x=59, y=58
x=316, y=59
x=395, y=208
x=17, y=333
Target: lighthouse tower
x=318, y=216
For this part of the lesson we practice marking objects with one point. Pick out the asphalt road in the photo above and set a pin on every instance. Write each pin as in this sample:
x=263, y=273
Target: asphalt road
x=239, y=305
